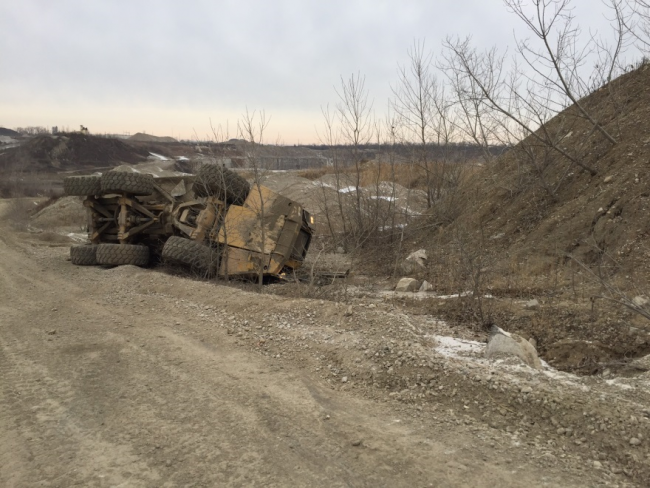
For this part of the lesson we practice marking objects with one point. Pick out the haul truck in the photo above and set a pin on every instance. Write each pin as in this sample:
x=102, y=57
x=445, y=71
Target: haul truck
x=213, y=222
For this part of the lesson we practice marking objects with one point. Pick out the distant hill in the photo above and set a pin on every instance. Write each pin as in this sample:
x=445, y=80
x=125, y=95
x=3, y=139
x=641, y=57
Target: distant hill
x=8, y=132
x=70, y=151
x=141, y=137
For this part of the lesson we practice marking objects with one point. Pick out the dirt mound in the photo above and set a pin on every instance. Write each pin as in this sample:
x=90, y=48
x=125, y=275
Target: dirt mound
x=149, y=138
x=588, y=216
x=8, y=132
x=70, y=151
x=327, y=196
x=64, y=214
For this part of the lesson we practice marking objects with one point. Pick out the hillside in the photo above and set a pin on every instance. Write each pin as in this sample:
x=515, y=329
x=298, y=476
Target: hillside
x=8, y=132
x=605, y=215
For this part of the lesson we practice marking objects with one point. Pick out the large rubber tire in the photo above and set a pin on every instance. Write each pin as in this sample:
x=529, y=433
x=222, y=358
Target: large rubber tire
x=82, y=186
x=121, y=181
x=83, y=255
x=197, y=256
x=119, y=254
x=214, y=180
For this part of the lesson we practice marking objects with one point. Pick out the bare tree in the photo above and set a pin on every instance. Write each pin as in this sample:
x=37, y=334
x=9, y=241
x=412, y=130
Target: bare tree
x=329, y=136
x=518, y=112
x=356, y=124
x=558, y=62
x=415, y=104
x=635, y=16
x=251, y=128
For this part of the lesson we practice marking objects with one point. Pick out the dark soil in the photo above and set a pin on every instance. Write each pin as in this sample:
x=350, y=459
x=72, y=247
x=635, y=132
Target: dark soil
x=8, y=132
x=71, y=151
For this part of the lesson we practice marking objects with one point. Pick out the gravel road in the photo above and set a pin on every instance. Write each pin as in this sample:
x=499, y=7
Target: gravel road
x=130, y=377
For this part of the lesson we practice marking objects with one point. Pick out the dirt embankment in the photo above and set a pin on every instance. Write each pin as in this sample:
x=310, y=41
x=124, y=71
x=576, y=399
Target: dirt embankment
x=534, y=207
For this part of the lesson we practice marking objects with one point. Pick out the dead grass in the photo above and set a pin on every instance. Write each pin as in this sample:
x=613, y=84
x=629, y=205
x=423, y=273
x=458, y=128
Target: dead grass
x=409, y=175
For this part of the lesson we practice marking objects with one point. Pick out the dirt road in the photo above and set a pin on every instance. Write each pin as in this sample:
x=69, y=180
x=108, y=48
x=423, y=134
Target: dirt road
x=129, y=377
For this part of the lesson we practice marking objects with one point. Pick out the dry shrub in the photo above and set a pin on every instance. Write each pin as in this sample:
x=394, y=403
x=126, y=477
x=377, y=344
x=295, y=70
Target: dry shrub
x=18, y=212
x=407, y=174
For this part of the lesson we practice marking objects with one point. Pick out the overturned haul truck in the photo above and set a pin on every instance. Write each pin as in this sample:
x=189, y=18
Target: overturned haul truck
x=212, y=222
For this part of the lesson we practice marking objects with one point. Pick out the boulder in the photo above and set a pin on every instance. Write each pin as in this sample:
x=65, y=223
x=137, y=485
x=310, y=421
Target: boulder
x=407, y=284
x=418, y=257
x=426, y=286
x=531, y=304
x=501, y=342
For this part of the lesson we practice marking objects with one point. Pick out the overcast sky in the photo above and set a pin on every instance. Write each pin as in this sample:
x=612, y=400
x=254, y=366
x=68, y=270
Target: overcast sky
x=167, y=67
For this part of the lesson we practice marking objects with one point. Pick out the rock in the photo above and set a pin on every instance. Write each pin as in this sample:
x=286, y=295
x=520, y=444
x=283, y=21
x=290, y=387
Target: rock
x=344, y=379
x=640, y=301
x=598, y=465
x=340, y=250
x=608, y=179
x=408, y=284
x=419, y=257
x=531, y=304
x=357, y=443
x=348, y=312
x=634, y=441
x=426, y=286
x=414, y=262
x=533, y=342
x=526, y=389
x=504, y=343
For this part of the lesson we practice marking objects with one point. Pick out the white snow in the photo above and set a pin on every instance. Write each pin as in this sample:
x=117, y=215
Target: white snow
x=615, y=382
x=320, y=183
x=452, y=347
x=159, y=156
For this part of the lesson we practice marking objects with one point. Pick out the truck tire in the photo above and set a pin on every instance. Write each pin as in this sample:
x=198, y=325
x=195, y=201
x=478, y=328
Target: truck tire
x=119, y=254
x=82, y=186
x=83, y=255
x=196, y=255
x=133, y=183
x=214, y=180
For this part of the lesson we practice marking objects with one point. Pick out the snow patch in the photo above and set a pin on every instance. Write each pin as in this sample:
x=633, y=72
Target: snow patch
x=452, y=347
x=159, y=156
x=320, y=183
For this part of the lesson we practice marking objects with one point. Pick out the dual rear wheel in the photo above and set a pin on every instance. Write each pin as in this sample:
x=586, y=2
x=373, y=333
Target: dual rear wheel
x=211, y=180
x=109, y=255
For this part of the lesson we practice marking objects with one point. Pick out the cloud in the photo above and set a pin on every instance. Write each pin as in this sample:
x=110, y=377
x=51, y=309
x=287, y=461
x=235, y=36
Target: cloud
x=207, y=58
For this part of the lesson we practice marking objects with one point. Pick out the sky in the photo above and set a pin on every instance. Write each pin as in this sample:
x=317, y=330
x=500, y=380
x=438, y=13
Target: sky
x=171, y=68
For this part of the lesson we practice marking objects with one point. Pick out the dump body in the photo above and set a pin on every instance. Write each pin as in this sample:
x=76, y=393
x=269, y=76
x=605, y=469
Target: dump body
x=268, y=230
